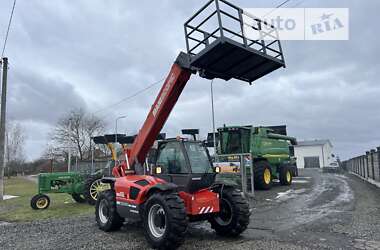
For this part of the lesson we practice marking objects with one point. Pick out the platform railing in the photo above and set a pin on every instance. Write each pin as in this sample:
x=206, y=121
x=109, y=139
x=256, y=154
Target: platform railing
x=243, y=171
x=219, y=19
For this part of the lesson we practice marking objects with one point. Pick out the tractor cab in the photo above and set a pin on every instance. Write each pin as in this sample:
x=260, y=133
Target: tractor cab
x=185, y=163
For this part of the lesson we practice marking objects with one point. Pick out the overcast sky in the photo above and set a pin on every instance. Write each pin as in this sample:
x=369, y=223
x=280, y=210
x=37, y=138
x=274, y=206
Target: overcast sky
x=85, y=53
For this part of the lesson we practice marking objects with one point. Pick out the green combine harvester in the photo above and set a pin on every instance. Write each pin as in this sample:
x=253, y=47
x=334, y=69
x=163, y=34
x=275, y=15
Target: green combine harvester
x=270, y=150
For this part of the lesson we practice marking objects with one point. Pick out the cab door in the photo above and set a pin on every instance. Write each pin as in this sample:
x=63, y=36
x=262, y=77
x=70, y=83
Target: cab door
x=173, y=163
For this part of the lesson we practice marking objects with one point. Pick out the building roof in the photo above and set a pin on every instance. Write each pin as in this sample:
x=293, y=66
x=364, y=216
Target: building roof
x=313, y=143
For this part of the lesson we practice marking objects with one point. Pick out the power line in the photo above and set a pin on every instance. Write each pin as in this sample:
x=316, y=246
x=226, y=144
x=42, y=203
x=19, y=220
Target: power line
x=129, y=97
x=9, y=26
x=298, y=4
x=277, y=7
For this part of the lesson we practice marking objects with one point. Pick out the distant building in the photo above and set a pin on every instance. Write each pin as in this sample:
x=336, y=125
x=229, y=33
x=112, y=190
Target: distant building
x=314, y=154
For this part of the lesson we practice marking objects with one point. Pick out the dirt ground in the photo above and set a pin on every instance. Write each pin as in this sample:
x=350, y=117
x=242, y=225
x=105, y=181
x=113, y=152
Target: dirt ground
x=319, y=211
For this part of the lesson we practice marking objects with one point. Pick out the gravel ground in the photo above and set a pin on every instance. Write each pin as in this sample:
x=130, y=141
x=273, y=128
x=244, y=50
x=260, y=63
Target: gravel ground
x=319, y=211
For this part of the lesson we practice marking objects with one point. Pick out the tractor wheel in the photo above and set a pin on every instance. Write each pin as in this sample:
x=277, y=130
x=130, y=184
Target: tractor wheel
x=40, y=201
x=233, y=217
x=263, y=175
x=106, y=214
x=79, y=198
x=92, y=187
x=165, y=221
x=286, y=176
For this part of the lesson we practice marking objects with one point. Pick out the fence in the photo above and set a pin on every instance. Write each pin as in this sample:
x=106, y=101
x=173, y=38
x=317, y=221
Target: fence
x=366, y=166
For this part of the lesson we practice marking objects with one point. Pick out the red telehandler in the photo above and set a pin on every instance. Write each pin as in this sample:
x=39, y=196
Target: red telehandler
x=182, y=186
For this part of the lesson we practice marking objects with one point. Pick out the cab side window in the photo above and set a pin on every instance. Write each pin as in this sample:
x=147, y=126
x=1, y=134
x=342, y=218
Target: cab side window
x=171, y=159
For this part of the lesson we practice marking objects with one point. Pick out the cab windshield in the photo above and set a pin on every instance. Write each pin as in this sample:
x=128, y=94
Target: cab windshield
x=235, y=142
x=198, y=157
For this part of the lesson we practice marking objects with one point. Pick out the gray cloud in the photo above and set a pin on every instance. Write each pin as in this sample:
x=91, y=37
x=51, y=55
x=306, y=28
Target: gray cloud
x=65, y=54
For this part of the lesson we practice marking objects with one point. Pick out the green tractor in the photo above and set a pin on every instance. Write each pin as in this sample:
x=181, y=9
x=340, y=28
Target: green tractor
x=270, y=150
x=83, y=187
x=70, y=183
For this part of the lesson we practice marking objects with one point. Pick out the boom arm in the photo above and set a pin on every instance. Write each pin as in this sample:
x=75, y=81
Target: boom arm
x=173, y=86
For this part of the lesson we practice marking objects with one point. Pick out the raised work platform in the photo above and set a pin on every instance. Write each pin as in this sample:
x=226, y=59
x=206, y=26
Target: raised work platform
x=225, y=42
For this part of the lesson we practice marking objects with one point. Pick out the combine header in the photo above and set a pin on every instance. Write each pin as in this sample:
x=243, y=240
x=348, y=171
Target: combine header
x=181, y=186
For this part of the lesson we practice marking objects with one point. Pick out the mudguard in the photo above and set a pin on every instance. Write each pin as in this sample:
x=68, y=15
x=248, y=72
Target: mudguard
x=109, y=180
x=162, y=187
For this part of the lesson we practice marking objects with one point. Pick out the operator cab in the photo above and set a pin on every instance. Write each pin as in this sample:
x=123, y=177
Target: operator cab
x=184, y=163
x=234, y=140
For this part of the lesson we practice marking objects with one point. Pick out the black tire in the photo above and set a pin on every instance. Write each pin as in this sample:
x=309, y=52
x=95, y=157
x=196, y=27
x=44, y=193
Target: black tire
x=233, y=218
x=79, y=198
x=91, y=192
x=40, y=201
x=165, y=220
x=286, y=176
x=106, y=214
x=261, y=179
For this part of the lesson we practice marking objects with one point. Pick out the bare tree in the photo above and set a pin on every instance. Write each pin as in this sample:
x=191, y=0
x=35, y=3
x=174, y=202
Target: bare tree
x=74, y=132
x=14, y=147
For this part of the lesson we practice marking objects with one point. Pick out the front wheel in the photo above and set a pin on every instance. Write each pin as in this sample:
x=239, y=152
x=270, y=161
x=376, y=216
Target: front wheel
x=40, y=201
x=233, y=217
x=165, y=221
x=106, y=214
x=263, y=175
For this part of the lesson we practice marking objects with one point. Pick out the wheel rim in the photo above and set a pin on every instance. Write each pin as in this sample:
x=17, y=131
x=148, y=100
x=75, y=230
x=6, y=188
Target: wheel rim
x=42, y=203
x=225, y=214
x=288, y=176
x=97, y=187
x=157, y=221
x=103, y=212
x=267, y=176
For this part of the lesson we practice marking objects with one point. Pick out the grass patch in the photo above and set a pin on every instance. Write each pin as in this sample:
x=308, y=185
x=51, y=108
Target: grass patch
x=18, y=209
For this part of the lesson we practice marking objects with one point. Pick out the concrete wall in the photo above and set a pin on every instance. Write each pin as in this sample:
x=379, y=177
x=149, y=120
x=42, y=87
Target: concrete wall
x=366, y=166
x=323, y=152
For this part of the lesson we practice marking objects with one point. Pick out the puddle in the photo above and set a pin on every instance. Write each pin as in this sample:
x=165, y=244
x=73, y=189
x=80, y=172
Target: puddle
x=291, y=193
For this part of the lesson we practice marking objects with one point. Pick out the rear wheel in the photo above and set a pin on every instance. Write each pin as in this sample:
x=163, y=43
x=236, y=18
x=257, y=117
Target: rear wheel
x=263, y=175
x=78, y=198
x=106, y=214
x=286, y=176
x=40, y=201
x=92, y=187
x=165, y=220
x=233, y=217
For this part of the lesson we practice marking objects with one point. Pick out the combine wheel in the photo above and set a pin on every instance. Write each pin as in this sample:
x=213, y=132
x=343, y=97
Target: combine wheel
x=233, y=217
x=105, y=212
x=40, y=201
x=92, y=187
x=165, y=221
x=286, y=176
x=263, y=175
x=78, y=198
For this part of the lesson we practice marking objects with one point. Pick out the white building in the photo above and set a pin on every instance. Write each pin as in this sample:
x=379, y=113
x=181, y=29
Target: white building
x=314, y=154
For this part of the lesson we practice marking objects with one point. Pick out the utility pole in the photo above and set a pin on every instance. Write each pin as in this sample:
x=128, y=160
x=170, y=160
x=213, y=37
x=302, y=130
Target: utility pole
x=2, y=124
x=213, y=117
x=116, y=121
